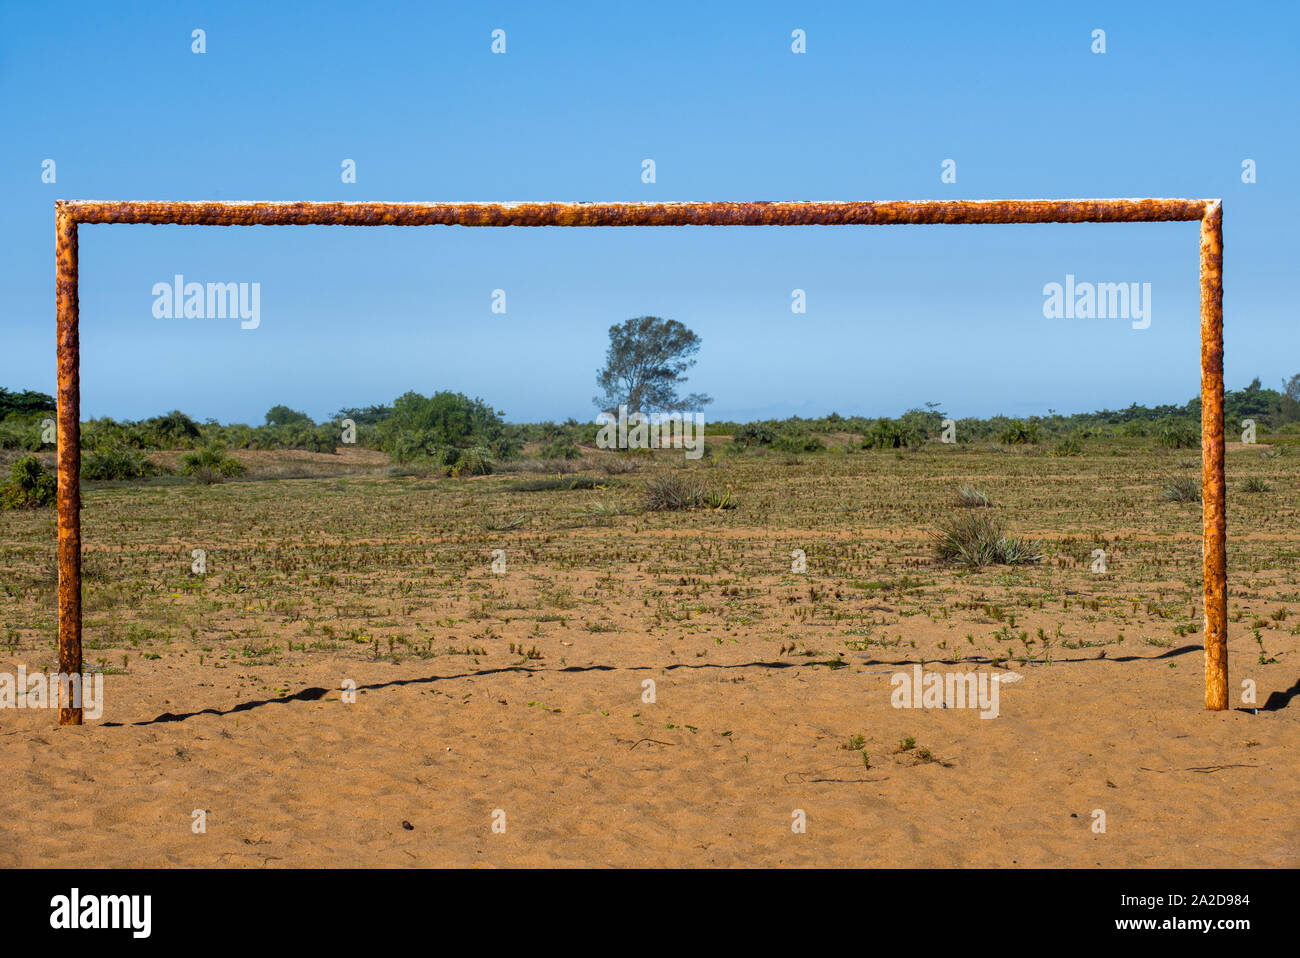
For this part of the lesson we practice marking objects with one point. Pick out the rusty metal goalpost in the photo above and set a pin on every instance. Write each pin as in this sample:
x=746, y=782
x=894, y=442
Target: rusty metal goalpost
x=1209, y=212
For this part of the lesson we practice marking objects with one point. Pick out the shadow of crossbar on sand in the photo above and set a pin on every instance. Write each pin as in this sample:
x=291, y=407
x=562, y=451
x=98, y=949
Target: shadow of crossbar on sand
x=1275, y=702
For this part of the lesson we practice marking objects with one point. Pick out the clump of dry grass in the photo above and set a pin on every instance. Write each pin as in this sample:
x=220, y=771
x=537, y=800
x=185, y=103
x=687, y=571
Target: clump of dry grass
x=978, y=540
x=1182, y=490
x=602, y=510
x=671, y=491
x=971, y=497
x=616, y=465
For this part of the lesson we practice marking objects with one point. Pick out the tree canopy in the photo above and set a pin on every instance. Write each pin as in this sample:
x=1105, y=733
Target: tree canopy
x=644, y=364
x=27, y=401
x=284, y=416
x=447, y=418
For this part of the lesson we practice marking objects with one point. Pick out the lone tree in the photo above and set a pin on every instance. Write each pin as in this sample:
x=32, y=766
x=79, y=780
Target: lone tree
x=644, y=365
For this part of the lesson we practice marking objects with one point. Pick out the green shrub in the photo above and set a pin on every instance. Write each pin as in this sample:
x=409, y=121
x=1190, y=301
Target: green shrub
x=410, y=447
x=1175, y=433
x=504, y=448
x=798, y=442
x=27, y=401
x=105, y=432
x=117, y=462
x=1255, y=484
x=1070, y=446
x=1019, y=433
x=291, y=434
x=559, y=449
x=13, y=436
x=24, y=431
x=174, y=427
x=305, y=435
x=210, y=464
x=892, y=434
x=284, y=416
x=449, y=419
x=753, y=434
x=30, y=486
x=473, y=462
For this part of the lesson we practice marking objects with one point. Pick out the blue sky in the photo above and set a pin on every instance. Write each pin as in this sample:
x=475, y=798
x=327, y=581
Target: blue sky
x=714, y=95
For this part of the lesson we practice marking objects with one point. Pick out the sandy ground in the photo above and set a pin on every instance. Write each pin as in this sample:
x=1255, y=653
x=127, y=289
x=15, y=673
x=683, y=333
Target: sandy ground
x=503, y=717
x=712, y=773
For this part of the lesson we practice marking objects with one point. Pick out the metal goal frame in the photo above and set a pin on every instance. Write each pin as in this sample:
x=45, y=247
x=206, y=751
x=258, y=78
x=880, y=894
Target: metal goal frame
x=69, y=215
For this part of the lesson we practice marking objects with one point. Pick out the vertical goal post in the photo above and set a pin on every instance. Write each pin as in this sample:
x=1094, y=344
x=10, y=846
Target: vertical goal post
x=69, y=215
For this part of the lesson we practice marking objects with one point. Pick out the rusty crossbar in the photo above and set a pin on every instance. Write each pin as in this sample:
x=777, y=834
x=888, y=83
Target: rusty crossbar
x=1209, y=212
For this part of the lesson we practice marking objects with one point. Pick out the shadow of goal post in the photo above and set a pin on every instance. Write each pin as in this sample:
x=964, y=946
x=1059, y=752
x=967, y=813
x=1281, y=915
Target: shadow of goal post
x=1209, y=212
